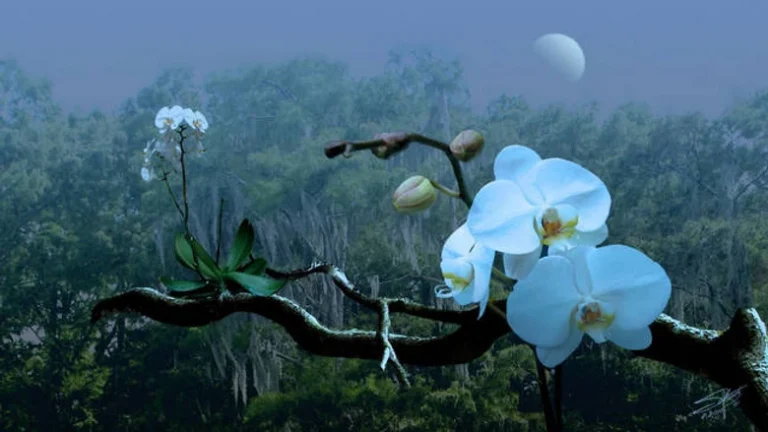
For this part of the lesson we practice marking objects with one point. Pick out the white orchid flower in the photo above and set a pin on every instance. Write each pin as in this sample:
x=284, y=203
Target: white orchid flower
x=168, y=119
x=196, y=120
x=466, y=267
x=610, y=293
x=535, y=202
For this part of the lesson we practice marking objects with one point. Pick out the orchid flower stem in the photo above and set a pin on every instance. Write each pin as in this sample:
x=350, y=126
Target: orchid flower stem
x=553, y=417
x=497, y=311
x=173, y=196
x=184, y=198
x=546, y=401
x=559, y=395
x=502, y=277
x=450, y=192
x=184, y=181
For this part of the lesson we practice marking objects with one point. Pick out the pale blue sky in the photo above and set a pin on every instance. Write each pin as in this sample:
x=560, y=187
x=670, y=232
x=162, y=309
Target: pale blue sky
x=677, y=55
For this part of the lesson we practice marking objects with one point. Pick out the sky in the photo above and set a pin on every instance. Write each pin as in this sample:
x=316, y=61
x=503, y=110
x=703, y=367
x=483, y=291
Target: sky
x=676, y=55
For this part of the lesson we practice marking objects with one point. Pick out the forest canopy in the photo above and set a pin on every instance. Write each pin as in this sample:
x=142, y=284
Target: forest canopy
x=80, y=225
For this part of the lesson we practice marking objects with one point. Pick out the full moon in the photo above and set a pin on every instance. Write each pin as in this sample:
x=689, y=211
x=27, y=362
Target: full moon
x=563, y=54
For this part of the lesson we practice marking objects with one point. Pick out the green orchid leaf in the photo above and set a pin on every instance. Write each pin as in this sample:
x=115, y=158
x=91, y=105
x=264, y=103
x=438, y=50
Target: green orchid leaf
x=181, y=285
x=255, y=284
x=183, y=251
x=255, y=267
x=205, y=262
x=241, y=248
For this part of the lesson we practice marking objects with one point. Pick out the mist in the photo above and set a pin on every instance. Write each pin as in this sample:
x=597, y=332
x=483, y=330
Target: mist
x=676, y=56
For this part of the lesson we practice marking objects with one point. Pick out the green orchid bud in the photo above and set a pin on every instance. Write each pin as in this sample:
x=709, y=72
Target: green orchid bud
x=467, y=145
x=414, y=195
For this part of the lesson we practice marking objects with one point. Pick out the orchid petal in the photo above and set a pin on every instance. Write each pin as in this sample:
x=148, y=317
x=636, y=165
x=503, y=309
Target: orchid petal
x=514, y=161
x=463, y=297
x=481, y=258
x=160, y=117
x=553, y=356
x=519, y=266
x=591, y=238
x=565, y=182
x=458, y=273
x=634, y=340
x=189, y=117
x=578, y=257
x=635, y=285
x=202, y=122
x=458, y=243
x=483, y=304
x=502, y=219
x=540, y=308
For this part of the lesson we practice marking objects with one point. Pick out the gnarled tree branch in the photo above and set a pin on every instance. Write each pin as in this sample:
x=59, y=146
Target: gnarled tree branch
x=736, y=358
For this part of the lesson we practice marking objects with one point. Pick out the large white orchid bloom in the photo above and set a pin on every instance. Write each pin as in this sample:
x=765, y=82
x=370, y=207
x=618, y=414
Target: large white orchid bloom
x=466, y=267
x=535, y=202
x=610, y=293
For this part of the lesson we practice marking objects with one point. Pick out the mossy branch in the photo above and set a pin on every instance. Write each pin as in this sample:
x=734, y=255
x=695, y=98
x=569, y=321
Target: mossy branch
x=735, y=358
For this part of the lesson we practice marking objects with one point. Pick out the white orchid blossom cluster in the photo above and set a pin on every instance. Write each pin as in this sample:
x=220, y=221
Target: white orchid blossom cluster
x=609, y=293
x=164, y=152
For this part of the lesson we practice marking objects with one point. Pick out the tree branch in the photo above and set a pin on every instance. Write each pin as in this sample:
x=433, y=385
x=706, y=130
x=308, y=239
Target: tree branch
x=735, y=358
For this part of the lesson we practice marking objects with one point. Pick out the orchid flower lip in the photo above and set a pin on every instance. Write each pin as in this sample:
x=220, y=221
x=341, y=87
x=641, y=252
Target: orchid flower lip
x=466, y=267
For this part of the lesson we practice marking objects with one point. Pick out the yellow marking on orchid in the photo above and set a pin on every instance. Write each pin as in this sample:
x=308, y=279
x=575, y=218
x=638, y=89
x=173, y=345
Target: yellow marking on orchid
x=591, y=316
x=552, y=227
x=456, y=282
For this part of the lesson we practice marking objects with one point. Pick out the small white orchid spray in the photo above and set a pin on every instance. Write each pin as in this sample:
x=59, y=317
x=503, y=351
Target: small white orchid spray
x=466, y=267
x=241, y=272
x=165, y=154
x=609, y=293
x=535, y=203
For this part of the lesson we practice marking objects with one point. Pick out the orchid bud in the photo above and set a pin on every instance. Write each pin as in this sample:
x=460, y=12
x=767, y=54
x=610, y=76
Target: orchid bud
x=467, y=145
x=414, y=195
x=394, y=142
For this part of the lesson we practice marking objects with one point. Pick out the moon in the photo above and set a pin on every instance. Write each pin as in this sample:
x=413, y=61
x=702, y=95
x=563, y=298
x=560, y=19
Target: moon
x=563, y=54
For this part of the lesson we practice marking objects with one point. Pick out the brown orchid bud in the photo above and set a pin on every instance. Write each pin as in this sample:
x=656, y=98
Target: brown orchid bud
x=467, y=145
x=394, y=142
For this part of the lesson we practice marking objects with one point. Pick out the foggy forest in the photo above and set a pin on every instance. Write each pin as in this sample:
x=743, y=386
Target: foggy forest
x=317, y=242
